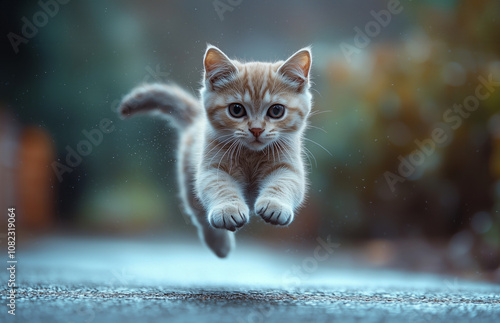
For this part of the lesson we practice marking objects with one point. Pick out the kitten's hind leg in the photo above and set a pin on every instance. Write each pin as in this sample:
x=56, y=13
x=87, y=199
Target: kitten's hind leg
x=219, y=241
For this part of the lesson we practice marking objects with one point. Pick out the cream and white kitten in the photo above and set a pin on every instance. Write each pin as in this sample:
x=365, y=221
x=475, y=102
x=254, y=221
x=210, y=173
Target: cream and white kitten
x=240, y=149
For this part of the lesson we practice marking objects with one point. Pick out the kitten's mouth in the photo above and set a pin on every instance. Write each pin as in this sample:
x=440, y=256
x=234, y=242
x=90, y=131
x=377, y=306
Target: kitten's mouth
x=257, y=144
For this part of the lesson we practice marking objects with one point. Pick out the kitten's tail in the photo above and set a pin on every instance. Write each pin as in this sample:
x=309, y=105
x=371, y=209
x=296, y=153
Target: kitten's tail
x=168, y=101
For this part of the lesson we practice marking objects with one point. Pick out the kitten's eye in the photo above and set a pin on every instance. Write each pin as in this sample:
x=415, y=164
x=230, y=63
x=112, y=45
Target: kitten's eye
x=237, y=110
x=276, y=111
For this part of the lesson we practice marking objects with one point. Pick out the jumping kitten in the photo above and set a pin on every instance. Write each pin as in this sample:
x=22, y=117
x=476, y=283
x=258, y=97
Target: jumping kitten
x=240, y=149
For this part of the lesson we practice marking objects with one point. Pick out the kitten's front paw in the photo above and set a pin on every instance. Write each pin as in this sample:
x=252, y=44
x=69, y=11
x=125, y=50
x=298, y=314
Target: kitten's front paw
x=273, y=211
x=229, y=216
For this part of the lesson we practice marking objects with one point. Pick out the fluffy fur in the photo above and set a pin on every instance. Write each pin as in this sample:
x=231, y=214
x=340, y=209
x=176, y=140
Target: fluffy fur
x=232, y=164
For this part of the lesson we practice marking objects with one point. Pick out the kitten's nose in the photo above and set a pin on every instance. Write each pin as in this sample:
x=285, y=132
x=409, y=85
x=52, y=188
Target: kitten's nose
x=256, y=132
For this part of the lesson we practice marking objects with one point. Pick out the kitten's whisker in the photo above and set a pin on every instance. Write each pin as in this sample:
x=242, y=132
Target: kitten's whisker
x=313, y=89
x=223, y=143
x=219, y=137
x=287, y=142
x=227, y=151
x=234, y=153
x=314, y=127
x=280, y=150
x=238, y=153
x=225, y=140
x=273, y=148
x=216, y=154
x=314, y=142
x=307, y=153
x=286, y=153
x=220, y=161
x=316, y=112
x=285, y=148
x=230, y=156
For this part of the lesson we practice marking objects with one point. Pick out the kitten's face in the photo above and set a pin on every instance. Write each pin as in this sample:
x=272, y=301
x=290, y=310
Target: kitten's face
x=257, y=104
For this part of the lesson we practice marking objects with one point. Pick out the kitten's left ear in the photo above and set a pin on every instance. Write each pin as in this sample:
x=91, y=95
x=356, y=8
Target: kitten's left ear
x=296, y=69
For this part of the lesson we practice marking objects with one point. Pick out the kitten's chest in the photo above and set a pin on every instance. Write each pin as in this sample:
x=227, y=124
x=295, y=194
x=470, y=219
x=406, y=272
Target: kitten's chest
x=250, y=172
x=247, y=170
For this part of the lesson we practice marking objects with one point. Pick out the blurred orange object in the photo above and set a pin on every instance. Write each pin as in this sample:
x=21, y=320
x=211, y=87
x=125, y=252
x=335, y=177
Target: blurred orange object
x=26, y=178
x=35, y=178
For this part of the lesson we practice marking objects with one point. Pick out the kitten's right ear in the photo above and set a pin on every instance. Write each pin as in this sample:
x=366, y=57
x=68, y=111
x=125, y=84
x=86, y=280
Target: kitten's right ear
x=218, y=67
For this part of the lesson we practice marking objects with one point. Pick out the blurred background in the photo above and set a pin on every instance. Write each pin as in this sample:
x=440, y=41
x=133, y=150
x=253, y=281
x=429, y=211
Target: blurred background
x=386, y=74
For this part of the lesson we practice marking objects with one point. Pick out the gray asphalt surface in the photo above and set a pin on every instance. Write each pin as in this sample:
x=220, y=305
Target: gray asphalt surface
x=114, y=280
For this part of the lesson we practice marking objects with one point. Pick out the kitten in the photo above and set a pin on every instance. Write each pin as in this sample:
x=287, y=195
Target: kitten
x=240, y=145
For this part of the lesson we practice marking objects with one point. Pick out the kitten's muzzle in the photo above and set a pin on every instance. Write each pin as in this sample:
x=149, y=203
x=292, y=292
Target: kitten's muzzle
x=256, y=132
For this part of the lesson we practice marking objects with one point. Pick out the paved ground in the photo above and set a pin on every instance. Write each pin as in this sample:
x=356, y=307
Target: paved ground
x=113, y=280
